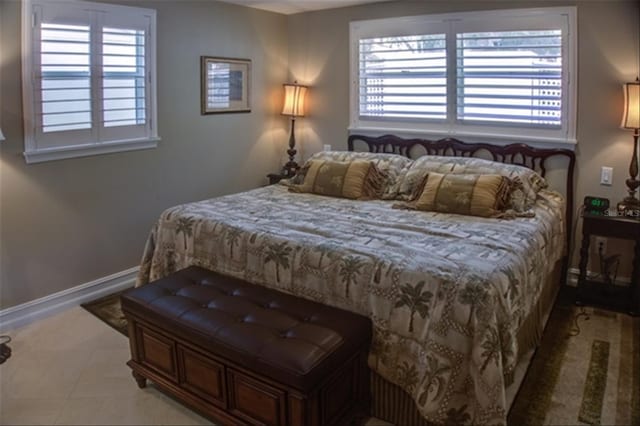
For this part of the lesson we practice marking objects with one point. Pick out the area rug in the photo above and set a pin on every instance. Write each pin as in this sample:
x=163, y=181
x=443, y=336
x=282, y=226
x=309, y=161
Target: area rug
x=586, y=371
x=108, y=310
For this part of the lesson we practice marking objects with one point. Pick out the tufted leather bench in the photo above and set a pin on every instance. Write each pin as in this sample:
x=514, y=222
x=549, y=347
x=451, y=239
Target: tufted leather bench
x=245, y=354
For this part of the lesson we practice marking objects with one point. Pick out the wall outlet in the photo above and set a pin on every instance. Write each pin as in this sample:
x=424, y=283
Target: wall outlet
x=326, y=148
x=606, y=176
x=601, y=242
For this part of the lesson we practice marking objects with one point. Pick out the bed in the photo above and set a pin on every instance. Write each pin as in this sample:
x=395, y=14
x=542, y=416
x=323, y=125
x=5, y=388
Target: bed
x=458, y=303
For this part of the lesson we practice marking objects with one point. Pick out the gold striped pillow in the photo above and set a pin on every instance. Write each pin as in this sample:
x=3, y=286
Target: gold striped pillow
x=346, y=179
x=474, y=195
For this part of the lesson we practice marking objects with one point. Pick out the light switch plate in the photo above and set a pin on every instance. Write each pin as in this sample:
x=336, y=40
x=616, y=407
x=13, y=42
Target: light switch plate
x=326, y=148
x=606, y=176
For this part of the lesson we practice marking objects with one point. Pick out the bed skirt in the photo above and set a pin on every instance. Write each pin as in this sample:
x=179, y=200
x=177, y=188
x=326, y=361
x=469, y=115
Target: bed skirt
x=392, y=404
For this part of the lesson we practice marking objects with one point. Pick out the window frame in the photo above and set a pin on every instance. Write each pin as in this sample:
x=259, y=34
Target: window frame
x=98, y=139
x=465, y=22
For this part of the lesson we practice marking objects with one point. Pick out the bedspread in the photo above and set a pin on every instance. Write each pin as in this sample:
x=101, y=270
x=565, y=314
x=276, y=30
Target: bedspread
x=446, y=293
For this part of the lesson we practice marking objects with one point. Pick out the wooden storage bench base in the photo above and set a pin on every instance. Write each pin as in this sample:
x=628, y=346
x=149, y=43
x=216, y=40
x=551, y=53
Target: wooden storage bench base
x=244, y=354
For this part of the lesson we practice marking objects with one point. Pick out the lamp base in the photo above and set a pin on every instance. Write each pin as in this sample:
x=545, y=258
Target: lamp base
x=290, y=169
x=630, y=206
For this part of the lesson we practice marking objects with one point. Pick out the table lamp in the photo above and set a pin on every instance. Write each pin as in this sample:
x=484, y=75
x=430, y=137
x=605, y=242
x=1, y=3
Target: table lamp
x=294, y=106
x=630, y=206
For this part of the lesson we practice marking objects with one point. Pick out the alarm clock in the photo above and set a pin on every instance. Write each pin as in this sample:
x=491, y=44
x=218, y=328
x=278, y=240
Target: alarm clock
x=596, y=205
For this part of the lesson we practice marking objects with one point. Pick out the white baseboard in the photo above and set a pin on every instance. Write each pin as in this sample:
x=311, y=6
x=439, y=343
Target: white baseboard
x=20, y=315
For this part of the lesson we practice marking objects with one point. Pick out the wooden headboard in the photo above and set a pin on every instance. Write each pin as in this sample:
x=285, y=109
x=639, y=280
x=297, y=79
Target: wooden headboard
x=520, y=154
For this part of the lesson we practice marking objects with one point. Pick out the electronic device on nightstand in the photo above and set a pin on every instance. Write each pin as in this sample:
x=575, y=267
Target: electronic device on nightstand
x=596, y=205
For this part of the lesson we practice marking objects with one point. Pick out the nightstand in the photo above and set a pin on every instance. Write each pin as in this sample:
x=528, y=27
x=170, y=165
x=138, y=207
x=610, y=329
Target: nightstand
x=626, y=299
x=276, y=177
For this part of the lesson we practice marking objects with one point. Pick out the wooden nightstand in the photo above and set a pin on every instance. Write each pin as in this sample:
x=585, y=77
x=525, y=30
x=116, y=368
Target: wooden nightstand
x=276, y=177
x=626, y=299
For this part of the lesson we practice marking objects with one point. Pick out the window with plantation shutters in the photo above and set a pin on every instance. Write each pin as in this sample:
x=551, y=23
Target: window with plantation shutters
x=506, y=74
x=89, y=79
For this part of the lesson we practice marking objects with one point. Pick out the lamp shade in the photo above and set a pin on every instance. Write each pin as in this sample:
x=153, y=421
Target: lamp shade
x=631, y=116
x=294, y=95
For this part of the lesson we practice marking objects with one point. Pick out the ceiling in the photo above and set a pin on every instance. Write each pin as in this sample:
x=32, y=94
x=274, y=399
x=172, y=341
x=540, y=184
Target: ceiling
x=289, y=7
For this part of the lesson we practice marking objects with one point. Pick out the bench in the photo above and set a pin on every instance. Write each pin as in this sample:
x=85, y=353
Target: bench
x=245, y=354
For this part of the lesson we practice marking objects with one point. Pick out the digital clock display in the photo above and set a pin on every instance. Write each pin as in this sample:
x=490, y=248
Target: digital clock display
x=596, y=205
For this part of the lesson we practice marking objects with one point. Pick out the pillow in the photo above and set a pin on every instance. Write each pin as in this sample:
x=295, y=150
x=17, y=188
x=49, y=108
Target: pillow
x=411, y=180
x=389, y=164
x=347, y=179
x=474, y=195
x=526, y=183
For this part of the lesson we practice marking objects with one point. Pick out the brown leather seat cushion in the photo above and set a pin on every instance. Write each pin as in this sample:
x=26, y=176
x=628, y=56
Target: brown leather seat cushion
x=292, y=340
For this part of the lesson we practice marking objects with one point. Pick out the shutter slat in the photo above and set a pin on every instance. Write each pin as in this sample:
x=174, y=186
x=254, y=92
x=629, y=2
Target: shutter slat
x=519, y=48
x=410, y=95
x=434, y=58
x=405, y=75
x=510, y=117
x=405, y=114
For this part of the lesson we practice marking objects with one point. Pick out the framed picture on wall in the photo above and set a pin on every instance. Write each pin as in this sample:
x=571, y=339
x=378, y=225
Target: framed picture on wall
x=225, y=85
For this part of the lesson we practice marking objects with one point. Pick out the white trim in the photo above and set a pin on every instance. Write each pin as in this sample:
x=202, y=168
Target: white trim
x=20, y=315
x=61, y=153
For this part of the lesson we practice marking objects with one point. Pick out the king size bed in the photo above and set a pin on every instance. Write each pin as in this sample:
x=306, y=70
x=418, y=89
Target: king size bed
x=458, y=302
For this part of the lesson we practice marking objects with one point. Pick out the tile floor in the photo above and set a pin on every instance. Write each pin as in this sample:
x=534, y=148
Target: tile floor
x=69, y=369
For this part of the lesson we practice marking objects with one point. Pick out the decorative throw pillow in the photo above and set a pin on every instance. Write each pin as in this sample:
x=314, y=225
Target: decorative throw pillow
x=389, y=164
x=474, y=195
x=412, y=178
x=526, y=183
x=346, y=179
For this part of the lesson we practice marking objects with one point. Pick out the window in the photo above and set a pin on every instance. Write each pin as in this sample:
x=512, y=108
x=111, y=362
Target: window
x=484, y=75
x=89, y=79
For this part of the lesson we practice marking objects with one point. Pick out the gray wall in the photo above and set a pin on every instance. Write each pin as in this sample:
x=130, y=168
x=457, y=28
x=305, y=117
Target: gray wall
x=608, y=33
x=67, y=222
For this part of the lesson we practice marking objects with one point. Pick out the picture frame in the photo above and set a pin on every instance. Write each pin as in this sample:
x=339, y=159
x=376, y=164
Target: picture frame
x=225, y=85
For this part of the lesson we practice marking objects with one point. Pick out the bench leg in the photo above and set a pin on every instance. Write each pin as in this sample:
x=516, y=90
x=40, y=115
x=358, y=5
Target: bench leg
x=140, y=380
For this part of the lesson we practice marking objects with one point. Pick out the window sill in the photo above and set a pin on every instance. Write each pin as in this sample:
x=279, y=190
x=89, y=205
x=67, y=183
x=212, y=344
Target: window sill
x=471, y=137
x=52, y=154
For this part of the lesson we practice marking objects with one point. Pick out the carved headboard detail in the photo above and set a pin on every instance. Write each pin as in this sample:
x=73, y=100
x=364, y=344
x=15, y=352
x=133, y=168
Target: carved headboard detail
x=520, y=154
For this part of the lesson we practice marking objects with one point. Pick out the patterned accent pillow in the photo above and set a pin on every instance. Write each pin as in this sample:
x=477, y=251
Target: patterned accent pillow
x=526, y=183
x=357, y=179
x=389, y=164
x=473, y=195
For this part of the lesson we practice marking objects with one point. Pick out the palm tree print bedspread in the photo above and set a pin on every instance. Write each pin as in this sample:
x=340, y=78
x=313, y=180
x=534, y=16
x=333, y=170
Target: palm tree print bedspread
x=446, y=293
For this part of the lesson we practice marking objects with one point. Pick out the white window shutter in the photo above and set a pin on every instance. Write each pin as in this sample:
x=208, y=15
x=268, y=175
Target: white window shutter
x=403, y=77
x=510, y=77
